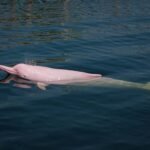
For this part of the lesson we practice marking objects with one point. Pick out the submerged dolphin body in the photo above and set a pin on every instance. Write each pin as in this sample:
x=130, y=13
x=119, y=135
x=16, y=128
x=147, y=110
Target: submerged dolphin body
x=24, y=75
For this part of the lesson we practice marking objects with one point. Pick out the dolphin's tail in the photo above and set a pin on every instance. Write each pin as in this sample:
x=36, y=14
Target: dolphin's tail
x=146, y=86
x=107, y=82
x=9, y=70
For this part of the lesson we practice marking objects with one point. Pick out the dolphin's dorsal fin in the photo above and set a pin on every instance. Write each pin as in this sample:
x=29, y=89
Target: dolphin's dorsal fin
x=41, y=86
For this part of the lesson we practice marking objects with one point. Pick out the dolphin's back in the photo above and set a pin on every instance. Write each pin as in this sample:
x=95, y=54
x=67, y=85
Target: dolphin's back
x=46, y=74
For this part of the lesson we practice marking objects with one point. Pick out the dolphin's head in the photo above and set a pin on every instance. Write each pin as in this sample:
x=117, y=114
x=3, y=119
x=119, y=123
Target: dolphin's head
x=24, y=71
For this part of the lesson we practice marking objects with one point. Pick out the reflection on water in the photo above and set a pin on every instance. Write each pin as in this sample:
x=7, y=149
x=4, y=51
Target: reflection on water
x=46, y=16
x=46, y=21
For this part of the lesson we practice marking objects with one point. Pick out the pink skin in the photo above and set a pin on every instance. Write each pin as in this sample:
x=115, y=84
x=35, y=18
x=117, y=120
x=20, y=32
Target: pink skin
x=45, y=75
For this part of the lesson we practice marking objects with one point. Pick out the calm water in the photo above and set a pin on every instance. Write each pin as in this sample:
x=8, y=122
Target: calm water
x=111, y=38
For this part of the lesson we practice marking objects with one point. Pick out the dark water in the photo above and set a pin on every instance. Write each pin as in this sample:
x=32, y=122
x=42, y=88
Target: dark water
x=108, y=37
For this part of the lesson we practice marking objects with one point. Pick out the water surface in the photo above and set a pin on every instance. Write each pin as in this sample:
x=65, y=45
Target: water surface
x=110, y=38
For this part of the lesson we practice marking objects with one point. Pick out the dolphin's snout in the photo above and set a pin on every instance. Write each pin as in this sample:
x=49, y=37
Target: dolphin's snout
x=9, y=70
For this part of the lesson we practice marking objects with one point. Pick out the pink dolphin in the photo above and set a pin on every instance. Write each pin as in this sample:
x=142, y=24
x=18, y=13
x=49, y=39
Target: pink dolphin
x=43, y=76
x=24, y=75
